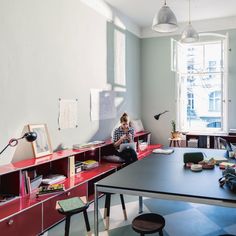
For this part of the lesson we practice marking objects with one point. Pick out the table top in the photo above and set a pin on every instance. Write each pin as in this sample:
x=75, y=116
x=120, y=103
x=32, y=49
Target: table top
x=210, y=134
x=166, y=174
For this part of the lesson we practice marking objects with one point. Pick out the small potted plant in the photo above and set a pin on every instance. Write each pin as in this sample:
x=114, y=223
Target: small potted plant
x=174, y=132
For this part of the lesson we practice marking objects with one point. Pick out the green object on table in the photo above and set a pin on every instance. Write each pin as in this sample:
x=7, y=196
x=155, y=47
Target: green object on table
x=71, y=204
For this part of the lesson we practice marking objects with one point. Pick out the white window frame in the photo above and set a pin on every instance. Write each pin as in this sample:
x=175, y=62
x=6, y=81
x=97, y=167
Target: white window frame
x=175, y=55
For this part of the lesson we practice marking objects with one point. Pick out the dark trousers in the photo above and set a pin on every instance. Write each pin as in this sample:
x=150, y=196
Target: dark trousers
x=129, y=155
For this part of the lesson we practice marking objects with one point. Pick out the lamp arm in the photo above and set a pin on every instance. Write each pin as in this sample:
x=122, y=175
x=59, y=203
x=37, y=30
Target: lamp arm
x=12, y=142
x=164, y=112
x=5, y=148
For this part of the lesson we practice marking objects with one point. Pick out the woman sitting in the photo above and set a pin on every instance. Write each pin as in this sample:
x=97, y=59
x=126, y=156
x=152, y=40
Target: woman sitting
x=124, y=134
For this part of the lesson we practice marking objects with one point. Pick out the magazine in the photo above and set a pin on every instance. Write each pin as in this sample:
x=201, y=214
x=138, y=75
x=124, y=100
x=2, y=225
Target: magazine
x=53, y=188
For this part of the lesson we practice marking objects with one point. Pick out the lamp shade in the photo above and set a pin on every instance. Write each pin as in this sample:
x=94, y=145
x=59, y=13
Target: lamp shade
x=165, y=21
x=158, y=115
x=189, y=35
x=30, y=136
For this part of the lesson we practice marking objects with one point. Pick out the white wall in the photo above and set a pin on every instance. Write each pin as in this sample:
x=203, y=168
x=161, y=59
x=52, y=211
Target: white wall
x=57, y=49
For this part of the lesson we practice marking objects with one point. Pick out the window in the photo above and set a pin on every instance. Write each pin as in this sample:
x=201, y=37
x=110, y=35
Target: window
x=214, y=101
x=190, y=101
x=201, y=75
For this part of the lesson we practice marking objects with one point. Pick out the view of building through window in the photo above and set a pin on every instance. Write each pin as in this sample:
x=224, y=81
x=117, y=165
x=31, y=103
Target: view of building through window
x=200, y=72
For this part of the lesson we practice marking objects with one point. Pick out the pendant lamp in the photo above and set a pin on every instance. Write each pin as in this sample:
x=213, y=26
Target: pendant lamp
x=165, y=20
x=189, y=34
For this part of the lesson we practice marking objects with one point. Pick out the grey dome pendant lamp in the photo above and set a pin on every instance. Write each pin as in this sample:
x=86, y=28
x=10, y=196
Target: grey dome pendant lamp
x=165, y=20
x=189, y=34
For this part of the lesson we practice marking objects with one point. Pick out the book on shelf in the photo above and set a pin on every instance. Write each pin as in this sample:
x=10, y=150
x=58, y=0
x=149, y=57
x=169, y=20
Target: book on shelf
x=89, y=164
x=26, y=182
x=6, y=197
x=78, y=166
x=53, y=188
x=34, y=183
x=88, y=145
x=53, y=178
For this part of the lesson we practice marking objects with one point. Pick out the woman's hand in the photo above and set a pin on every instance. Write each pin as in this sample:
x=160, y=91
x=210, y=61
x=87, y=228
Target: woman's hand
x=129, y=137
x=123, y=137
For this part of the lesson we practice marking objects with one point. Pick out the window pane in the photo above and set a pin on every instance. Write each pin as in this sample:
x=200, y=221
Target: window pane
x=194, y=57
x=213, y=57
x=203, y=106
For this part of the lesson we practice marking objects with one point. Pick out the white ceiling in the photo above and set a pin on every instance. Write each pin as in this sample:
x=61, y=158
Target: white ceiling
x=141, y=12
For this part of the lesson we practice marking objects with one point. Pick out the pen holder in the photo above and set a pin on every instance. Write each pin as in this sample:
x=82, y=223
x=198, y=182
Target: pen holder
x=193, y=157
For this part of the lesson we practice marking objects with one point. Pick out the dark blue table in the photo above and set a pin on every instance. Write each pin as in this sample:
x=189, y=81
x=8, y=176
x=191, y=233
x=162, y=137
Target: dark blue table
x=164, y=176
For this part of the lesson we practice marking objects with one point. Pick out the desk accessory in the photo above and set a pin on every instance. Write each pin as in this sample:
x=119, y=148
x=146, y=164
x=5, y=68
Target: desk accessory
x=224, y=165
x=229, y=178
x=163, y=151
x=196, y=167
x=208, y=164
x=193, y=157
x=218, y=160
x=29, y=136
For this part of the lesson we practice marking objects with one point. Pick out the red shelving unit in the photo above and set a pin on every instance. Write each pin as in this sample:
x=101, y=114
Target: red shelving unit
x=16, y=215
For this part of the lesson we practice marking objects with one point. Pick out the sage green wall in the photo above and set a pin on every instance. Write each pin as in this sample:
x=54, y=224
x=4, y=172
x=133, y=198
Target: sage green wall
x=158, y=84
x=58, y=49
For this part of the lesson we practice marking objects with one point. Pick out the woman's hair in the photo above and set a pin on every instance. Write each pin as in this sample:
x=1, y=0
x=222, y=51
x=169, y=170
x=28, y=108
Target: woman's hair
x=124, y=118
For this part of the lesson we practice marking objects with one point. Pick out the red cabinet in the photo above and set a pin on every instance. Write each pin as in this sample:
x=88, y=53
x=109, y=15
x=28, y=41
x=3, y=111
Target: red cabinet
x=27, y=223
x=50, y=214
x=29, y=215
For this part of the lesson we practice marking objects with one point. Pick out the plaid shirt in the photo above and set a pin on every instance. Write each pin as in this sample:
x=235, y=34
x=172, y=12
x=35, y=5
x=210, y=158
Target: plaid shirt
x=118, y=132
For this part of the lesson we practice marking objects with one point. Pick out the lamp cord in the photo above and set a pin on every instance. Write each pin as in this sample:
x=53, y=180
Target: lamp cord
x=189, y=21
x=12, y=142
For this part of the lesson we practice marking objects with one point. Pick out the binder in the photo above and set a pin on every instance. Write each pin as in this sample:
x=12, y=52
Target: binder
x=71, y=165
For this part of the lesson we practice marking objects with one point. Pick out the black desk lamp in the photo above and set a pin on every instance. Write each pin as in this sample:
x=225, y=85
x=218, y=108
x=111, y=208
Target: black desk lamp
x=29, y=136
x=158, y=115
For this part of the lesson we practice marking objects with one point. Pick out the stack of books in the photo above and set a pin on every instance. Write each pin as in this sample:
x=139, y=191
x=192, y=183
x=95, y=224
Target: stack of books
x=89, y=164
x=53, y=188
x=54, y=178
x=88, y=145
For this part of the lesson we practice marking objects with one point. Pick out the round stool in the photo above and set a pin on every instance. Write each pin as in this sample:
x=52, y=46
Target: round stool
x=75, y=209
x=148, y=223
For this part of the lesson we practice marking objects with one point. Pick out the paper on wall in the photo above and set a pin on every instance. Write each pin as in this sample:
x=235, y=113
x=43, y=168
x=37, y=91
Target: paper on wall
x=68, y=113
